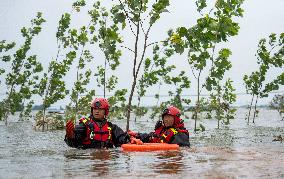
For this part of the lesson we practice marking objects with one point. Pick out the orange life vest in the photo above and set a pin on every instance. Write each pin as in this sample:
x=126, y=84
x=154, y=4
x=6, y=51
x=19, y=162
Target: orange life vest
x=163, y=135
x=95, y=133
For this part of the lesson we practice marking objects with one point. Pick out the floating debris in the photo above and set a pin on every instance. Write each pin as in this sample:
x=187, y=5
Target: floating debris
x=278, y=138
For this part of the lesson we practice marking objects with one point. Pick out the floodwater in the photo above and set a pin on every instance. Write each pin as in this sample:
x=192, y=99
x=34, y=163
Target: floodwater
x=235, y=151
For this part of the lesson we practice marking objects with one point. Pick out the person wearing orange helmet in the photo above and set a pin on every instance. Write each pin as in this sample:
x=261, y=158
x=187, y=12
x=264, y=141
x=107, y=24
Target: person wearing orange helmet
x=95, y=131
x=170, y=130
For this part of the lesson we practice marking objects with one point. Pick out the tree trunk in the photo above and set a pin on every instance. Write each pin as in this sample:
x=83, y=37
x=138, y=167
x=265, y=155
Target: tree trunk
x=77, y=95
x=139, y=99
x=76, y=108
x=43, y=118
x=255, y=108
x=250, y=107
x=105, y=80
x=219, y=107
x=77, y=78
x=158, y=99
x=6, y=115
x=136, y=71
x=129, y=103
x=6, y=120
x=197, y=104
x=7, y=111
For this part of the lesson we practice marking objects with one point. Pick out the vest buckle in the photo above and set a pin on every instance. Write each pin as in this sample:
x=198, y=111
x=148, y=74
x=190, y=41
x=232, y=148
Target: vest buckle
x=92, y=135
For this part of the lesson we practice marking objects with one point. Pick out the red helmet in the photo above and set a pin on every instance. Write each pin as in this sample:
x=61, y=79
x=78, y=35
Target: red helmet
x=173, y=111
x=101, y=103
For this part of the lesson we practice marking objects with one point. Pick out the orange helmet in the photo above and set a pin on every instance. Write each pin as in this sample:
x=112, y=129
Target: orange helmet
x=101, y=103
x=173, y=111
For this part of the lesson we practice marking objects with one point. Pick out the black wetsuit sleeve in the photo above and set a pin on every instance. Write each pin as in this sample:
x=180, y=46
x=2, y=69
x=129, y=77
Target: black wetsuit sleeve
x=119, y=137
x=181, y=139
x=79, y=135
x=71, y=142
x=145, y=137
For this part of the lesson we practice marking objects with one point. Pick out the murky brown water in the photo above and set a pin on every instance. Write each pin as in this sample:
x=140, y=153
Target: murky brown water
x=237, y=151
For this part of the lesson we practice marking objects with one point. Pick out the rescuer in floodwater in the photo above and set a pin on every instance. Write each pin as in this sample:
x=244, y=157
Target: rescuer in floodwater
x=95, y=131
x=170, y=130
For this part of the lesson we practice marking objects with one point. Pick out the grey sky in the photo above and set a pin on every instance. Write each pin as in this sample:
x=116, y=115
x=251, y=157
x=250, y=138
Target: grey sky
x=261, y=17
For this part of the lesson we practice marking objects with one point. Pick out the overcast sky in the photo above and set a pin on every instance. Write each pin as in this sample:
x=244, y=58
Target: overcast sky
x=261, y=17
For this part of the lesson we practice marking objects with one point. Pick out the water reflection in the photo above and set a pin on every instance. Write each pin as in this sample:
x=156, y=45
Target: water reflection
x=102, y=160
x=169, y=162
x=237, y=151
x=95, y=162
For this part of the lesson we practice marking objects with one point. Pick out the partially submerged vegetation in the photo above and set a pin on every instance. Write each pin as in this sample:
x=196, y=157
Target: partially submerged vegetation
x=151, y=67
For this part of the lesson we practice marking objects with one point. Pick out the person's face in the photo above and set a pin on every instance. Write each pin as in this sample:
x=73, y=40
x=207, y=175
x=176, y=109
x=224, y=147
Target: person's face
x=99, y=113
x=168, y=120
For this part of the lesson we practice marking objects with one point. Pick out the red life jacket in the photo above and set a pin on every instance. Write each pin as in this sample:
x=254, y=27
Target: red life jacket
x=95, y=133
x=163, y=135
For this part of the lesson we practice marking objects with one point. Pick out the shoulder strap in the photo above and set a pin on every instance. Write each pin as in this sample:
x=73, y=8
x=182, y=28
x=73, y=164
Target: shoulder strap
x=174, y=131
x=169, y=137
x=109, y=130
x=88, y=124
x=110, y=124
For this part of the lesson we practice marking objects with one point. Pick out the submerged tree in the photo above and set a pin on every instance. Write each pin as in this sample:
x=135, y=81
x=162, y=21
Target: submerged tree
x=101, y=32
x=80, y=94
x=105, y=31
x=182, y=83
x=155, y=71
x=83, y=73
x=52, y=86
x=221, y=96
x=221, y=99
x=140, y=16
x=269, y=55
x=202, y=39
x=23, y=76
x=278, y=104
x=118, y=104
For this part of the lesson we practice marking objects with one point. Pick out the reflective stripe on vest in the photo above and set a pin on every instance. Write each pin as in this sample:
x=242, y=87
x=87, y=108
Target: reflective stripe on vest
x=109, y=133
x=168, y=137
x=96, y=133
x=164, y=136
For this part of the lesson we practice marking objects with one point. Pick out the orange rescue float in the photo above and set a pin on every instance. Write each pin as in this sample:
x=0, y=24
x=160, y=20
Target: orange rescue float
x=149, y=147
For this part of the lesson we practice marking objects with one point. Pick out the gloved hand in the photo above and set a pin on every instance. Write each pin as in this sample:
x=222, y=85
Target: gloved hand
x=150, y=136
x=135, y=141
x=70, y=129
x=132, y=133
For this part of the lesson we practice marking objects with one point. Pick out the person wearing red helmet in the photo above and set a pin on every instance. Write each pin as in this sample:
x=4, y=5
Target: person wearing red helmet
x=170, y=130
x=95, y=131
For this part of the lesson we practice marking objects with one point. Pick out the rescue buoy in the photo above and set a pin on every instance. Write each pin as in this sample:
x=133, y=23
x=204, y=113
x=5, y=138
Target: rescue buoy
x=149, y=147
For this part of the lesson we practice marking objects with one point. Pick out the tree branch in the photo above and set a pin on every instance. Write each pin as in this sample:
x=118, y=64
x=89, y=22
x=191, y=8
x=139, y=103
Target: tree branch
x=128, y=18
x=192, y=69
x=152, y=43
x=127, y=48
x=142, y=27
x=144, y=50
